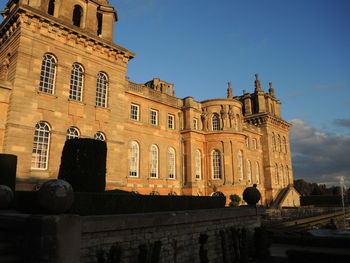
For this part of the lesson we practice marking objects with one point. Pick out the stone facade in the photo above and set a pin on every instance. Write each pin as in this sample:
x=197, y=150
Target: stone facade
x=60, y=69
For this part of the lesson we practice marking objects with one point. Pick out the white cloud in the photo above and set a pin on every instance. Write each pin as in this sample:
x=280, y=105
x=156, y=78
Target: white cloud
x=319, y=157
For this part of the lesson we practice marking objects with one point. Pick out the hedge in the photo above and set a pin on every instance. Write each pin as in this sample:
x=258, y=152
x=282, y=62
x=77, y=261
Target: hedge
x=322, y=200
x=114, y=203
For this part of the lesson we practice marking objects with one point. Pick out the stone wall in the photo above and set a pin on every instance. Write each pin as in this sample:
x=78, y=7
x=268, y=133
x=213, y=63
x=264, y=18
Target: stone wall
x=215, y=235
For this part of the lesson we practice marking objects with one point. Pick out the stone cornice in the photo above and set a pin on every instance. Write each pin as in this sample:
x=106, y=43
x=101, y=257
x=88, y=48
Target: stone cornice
x=261, y=119
x=29, y=15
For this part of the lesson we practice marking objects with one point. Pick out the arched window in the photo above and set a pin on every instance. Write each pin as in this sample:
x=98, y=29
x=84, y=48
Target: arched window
x=276, y=173
x=72, y=133
x=284, y=145
x=249, y=172
x=257, y=173
x=77, y=15
x=198, y=164
x=76, y=82
x=287, y=176
x=154, y=162
x=240, y=165
x=51, y=7
x=216, y=122
x=216, y=164
x=282, y=175
x=48, y=74
x=278, y=143
x=40, y=152
x=171, y=163
x=134, y=159
x=273, y=142
x=101, y=90
x=99, y=136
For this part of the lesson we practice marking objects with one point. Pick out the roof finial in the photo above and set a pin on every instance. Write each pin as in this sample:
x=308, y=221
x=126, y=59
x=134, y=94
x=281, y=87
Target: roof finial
x=271, y=90
x=257, y=83
x=229, y=91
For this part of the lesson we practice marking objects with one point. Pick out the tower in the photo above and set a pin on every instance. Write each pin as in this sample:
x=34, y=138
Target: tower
x=61, y=76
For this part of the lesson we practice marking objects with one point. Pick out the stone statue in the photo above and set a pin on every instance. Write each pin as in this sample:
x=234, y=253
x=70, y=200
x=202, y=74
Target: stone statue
x=223, y=114
x=4, y=68
x=271, y=90
x=231, y=115
x=229, y=91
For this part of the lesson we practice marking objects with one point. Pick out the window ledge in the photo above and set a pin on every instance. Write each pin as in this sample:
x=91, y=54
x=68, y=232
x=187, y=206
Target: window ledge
x=47, y=94
x=76, y=101
x=102, y=108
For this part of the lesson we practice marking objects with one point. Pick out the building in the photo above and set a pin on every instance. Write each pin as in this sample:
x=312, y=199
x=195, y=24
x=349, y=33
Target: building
x=62, y=77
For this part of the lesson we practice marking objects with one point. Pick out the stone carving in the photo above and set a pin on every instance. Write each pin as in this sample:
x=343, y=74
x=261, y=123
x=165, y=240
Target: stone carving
x=204, y=117
x=223, y=114
x=231, y=116
x=4, y=68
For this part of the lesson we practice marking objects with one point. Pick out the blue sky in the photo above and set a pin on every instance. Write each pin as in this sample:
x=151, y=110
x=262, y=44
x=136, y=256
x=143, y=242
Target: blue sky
x=302, y=46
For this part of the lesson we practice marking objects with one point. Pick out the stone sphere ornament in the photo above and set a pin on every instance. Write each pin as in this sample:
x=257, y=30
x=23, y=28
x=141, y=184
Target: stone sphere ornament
x=6, y=196
x=251, y=195
x=56, y=196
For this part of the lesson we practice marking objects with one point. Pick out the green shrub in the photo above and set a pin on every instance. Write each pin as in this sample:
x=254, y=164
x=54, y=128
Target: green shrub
x=235, y=200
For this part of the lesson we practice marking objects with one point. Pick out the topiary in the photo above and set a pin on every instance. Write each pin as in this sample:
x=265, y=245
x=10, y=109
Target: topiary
x=251, y=195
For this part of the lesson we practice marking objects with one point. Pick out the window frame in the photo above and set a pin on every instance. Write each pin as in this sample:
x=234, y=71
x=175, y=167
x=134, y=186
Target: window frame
x=154, y=162
x=69, y=134
x=171, y=121
x=171, y=157
x=249, y=172
x=216, y=165
x=101, y=99
x=99, y=135
x=153, y=118
x=240, y=165
x=42, y=138
x=195, y=123
x=132, y=112
x=134, y=166
x=50, y=69
x=215, y=122
x=78, y=88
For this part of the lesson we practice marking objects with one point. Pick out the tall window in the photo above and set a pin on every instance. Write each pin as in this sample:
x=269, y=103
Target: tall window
x=273, y=142
x=257, y=172
x=72, y=133
x=284, y=144
x=134, y=112
x=77, y=15
x=154, y=161
x=195, y=124
x=99, y=17
x=40, y=153
x=240, y=165
x=154, y=117
x=216, y=159
x=171, y=121
x=278, y=143
x=99, y=136
x=198, y=164
x=276, y=173
x=216, y=122
x=51, y=7
x=101, y=90
x=76, y=82
x=249, y=172
x=48, y=74
x=134, y=159
x=171, y=163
